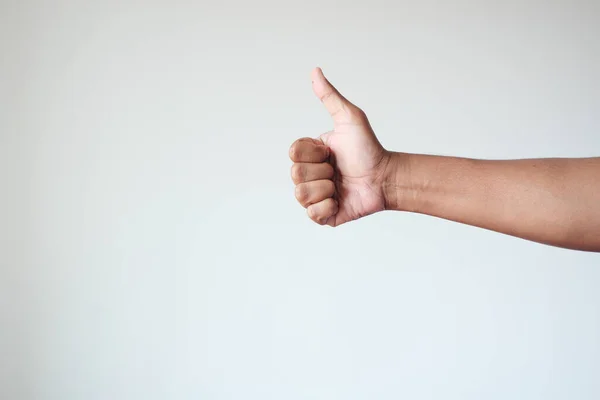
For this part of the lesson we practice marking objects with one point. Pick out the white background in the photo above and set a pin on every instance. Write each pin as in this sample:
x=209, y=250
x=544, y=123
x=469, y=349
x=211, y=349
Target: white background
x=151, y=246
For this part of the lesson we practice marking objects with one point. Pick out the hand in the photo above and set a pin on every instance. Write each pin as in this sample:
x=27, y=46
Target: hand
x=339, y=176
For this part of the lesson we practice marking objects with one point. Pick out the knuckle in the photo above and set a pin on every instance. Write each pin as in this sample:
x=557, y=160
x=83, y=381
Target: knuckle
x=294, y=151
x=314, y=215
x=297, y=173
x=301, y=193
x=357, y=115
x=327, y=96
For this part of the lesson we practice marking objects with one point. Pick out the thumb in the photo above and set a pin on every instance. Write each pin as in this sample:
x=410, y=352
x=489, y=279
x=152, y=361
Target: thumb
x=340, y=109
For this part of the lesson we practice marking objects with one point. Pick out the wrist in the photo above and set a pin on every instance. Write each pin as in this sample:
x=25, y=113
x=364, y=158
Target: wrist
x=399, y=189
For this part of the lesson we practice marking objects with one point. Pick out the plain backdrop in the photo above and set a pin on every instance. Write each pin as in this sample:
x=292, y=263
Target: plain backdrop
x=151, y=246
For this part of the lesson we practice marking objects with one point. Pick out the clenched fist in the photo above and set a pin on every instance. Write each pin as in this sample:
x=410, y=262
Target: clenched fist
x=339, y=176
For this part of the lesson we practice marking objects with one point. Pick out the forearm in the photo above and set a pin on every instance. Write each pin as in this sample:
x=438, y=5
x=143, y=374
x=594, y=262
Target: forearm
x=552, y=201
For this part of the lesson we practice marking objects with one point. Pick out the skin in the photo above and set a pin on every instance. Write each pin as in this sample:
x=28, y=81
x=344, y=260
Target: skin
x=346, y=174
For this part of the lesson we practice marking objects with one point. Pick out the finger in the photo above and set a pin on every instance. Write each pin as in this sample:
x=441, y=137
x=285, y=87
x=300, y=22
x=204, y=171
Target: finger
x=340, y=109
x=307, y=172
x=309, y=150
x=321, y=212
x=308, y=193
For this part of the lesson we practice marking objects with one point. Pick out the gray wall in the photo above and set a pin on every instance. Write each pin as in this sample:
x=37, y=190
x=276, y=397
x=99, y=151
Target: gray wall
x=151, y=246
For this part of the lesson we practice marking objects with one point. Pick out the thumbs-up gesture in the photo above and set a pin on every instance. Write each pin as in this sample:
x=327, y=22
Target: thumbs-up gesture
x=339, y=176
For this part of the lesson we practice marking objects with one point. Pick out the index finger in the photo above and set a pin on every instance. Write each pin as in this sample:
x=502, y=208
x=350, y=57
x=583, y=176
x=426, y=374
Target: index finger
x=309, y=150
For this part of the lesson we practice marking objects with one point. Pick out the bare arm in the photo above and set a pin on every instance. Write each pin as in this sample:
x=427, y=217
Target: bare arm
x=346, y=174
x=552, y=201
